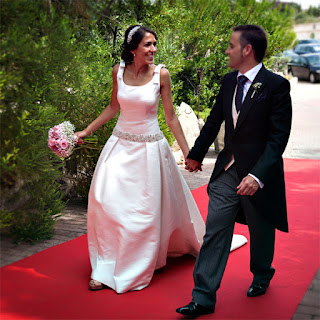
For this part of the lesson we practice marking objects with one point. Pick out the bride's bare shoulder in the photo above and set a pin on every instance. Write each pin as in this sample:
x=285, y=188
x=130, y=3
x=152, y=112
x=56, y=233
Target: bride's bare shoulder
x=116, y=67
x=115, y=70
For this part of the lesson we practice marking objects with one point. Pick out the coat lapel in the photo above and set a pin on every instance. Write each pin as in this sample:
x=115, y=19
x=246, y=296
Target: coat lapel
x=248, y=102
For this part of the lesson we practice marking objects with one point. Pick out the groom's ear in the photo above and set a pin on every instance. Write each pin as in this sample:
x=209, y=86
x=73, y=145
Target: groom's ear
x=247, y=50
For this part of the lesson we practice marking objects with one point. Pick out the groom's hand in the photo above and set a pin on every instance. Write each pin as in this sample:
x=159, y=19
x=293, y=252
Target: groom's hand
x=248, y=186
x=193, y=165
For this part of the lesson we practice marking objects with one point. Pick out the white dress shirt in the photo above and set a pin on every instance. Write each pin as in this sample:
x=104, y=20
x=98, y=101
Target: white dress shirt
x=251, y=74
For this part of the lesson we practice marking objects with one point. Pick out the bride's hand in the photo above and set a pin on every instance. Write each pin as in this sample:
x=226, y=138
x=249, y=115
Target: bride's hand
x=80, y=135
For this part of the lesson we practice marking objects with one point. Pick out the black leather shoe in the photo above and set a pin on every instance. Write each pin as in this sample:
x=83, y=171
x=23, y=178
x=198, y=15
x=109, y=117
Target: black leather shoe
x=194, y=310
x=257, y=289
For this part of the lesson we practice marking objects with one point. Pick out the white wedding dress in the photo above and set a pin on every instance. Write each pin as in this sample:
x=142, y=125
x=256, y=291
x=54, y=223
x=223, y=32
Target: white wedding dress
x=140, y=208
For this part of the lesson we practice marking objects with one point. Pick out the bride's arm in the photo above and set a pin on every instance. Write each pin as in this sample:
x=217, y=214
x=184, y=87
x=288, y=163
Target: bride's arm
x=108, y=113
x=171, y=118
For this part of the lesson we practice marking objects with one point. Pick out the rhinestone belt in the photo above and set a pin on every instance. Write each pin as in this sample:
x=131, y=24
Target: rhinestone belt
x=137, y=137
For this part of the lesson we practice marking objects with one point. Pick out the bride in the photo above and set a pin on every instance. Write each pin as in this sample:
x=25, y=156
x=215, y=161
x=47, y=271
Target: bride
x=140, y=209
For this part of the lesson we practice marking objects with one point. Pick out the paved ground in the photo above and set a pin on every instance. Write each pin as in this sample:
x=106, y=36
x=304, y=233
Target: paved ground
x=304, y=143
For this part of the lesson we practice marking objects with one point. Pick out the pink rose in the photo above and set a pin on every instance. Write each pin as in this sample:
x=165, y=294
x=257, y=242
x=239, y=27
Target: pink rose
x=54, y=149
x=51, y=142
x=56, y=131
x=63, y=144
x=62, y=154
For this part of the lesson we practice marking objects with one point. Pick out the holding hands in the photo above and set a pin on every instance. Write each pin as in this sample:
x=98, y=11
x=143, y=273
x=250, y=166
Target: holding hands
x=247, y=187
x=193, y=165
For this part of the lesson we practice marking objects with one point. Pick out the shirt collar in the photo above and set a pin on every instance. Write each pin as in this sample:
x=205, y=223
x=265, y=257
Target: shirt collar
x=251, y=74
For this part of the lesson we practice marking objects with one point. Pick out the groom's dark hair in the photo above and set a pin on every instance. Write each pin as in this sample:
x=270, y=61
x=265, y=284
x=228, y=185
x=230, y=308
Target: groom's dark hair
x=254, y=35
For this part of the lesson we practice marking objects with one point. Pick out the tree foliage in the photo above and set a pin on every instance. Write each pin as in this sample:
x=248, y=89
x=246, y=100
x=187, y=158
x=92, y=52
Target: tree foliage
x=56, y=63
x=201, y=30
x=310, y=15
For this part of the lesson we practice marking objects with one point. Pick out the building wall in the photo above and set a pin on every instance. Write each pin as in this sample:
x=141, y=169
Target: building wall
x=304, y=31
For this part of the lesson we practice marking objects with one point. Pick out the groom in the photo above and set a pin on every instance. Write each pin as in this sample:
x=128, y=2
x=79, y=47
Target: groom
x=247, y=183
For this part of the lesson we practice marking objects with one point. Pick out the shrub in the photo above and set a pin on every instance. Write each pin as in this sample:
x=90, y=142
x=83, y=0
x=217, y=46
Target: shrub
x=30, y=92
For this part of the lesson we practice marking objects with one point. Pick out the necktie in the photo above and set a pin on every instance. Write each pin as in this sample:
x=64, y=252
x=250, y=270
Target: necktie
x=239, y=94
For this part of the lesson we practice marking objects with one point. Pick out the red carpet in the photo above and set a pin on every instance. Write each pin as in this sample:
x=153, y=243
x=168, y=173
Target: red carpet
x=53, y=283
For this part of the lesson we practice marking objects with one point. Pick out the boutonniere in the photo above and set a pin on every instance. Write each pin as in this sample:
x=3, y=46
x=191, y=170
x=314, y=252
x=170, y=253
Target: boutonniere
x=256, y=87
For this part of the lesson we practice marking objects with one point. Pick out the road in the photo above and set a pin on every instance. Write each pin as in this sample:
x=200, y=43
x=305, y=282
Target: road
x=304, y=140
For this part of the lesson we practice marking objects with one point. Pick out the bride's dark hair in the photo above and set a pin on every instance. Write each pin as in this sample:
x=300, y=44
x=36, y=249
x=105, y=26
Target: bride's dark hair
x=136, y=38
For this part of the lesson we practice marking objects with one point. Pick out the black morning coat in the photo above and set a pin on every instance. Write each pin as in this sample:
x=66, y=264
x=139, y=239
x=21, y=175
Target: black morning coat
x=257, y=142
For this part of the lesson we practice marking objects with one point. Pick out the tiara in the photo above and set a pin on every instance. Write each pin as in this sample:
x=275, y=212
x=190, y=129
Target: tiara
x=131, y=33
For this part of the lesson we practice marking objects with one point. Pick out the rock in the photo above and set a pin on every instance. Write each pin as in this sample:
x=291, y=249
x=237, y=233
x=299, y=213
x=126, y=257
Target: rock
x=191, y=129
x=201, y=123
x=189, y=123
x=178, y=156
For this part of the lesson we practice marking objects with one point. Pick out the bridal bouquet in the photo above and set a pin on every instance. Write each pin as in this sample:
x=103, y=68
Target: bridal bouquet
x=61, y=139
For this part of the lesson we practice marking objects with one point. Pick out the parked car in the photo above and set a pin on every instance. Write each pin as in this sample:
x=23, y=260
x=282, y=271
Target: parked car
x=289, y=54
x=307, y=41
x=306, y=66
x=307, y=48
